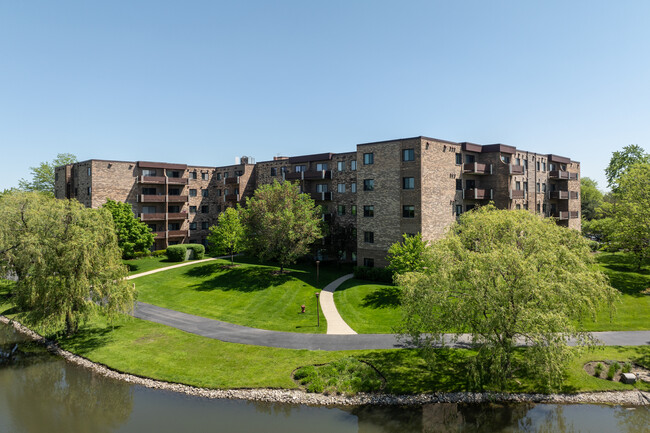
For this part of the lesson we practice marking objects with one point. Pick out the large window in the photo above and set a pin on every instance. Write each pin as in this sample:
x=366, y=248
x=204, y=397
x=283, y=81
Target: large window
x=340, y=166
x=369, y=237
x=205, y=208
x=192, y=193
x=340, y=210
x=353, y=165
x=174, y=226
x=408, y=182
x=205, y=225
x=408, y=155
x=353, y=187
x=173, y=209
x=205, y=193
x=368, y=158
x=321, y=166
x=369, y=211
x=341, y=187
x=459, y=158
x=368, y=262
x=149, y=209
x=192, y=226
x=300, y=168
x=149, y=191
x=274, y=171
x=149, y=172
x=174, y=173
x=321, y=187
x=174, y=191
x=408, y=211
x=368, y=184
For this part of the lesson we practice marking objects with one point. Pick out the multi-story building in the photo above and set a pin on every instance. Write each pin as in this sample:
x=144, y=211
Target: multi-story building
x=379, y=192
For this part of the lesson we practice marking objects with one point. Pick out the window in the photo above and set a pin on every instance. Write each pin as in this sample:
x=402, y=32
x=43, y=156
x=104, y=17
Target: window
x=563, y=167
x=518, y=185
x=239, y=172
x=341, y=187
x=274, y=171
x=205, y=208
x=353, y=209
x=205, y=193
x=149, y=172
x=538, y=208
x=537, y=188
x=538, y=166
x=89, y=171
x=505, y=159
x=518, y=206
x=526, y=164
x=368, y=184
x=56, y=176
x=369, y=237
x=408, y=211
x=459, y=209
x=225, y=191
x=543, y=187
x=321, y=166
x=321, y=187
x=369, y=263
x=551, y=166
x=173, y=209
x=353, y=165
x=192, y=209
x=470, y=184
x=149, y=191
x=517, y=161
x=300, y=168
x=469, y=207
x=340, y=166
x=174, y=173
x=225, y=175
x=470, y=159
x=204, y=176
x=408, y=155
x=353, y=187
x=192, y=174
x=368, y=158
x=408, y=182
x=192, y=226
x=526, y=187
x=174, y=226
x=192, y=193
x=218, y=193
x=340, y=210
x=149, y=209
x=459, y=159
x=544, y=208
x=543, y=165
x=205, y=225
x=174, y=191
x=459, y=184
x=369, y=211
x=89, y=190
x=218, y=176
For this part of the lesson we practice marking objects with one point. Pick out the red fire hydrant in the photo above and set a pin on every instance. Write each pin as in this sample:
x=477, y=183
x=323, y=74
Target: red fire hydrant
x=302, y=307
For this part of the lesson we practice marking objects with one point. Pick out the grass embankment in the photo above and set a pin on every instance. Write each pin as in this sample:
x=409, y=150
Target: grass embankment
x=248, y=294
x=163, y=353
x=369, y=308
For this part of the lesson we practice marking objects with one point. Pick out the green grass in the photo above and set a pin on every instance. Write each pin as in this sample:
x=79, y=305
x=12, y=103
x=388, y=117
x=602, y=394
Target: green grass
x=633, y=312
x=249, y=294
x=369, y=308
x=145, y=264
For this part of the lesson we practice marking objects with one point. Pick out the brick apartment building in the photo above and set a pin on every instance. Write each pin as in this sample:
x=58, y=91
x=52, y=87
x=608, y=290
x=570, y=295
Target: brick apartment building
x=379, y=192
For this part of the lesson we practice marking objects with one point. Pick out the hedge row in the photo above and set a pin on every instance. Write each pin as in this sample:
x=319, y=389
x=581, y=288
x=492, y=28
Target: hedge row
x=178, y=253
x=157, y=253
x=382, y=275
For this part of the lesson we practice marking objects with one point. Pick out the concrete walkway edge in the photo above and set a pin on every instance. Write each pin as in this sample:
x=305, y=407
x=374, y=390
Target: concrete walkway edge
x=335, y=323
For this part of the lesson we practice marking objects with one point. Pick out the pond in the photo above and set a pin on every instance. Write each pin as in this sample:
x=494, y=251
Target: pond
x=42, y=393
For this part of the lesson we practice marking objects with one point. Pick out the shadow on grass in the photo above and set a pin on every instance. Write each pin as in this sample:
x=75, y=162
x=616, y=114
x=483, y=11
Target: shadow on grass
x=388, y=297
x=623, y=275
x=245, y=279
x=133, y=267
x=87, y=339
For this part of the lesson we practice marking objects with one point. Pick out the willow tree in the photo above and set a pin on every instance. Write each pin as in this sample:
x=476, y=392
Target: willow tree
x=507, y=278
x=280, y=223
x=66, y=259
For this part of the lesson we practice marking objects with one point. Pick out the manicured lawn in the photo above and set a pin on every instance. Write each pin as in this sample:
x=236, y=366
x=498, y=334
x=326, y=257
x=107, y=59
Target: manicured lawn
x=249, y=294
x=633, y=312
x=369, y=308
x=145, y=264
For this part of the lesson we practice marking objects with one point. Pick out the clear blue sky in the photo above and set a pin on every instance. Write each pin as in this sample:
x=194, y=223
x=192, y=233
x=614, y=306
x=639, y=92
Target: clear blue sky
x=202, y=82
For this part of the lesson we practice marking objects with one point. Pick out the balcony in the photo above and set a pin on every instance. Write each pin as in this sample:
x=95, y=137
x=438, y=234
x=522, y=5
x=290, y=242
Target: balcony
x=321, y=196
x=146, y=198
x=573, y=195
x=558, y=195
x=157, y=180
x=566, y=175
x=158, y=235
x=177, y=233
x=177, y=198
x=231, y=197
x=516, y=169
x=564, y=215
x=152, y=216
x=231, y=180
x=478, y=194
x=476, y=168
x=177, y=216
x=177, y=180
x=317, y=174
x=293, y=176
x=517, y=194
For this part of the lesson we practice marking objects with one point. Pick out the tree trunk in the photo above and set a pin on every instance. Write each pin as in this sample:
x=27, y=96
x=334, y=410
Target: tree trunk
x=71, y=325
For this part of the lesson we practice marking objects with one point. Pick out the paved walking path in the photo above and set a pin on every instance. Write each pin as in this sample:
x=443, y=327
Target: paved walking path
x=186, y=263
x=335, y=323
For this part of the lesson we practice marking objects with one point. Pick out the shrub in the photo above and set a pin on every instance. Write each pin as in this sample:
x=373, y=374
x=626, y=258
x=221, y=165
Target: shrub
x=176, y=253
x=346, y=375
x=382, y=275
x=594, y=245
x=199, y=250
x=598, y=369
x=141, y=254
x=627, y=367
x=159, y=253
x=613, y=368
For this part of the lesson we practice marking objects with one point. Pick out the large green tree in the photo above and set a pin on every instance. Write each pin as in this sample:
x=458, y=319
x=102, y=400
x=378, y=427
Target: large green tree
x=280, y=223
x=621, y=162
x=408, y=255
x=132, y=234
x=66, y=259
x=43, y=175
x=506, y=278
x=590, y=197
x=227, y=237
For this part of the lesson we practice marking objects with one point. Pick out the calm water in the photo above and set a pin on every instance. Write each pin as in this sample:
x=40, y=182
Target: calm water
x=41, y=393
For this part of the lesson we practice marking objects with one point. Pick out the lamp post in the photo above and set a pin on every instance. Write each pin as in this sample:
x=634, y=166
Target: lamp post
x=317, y=313
x=317, y=269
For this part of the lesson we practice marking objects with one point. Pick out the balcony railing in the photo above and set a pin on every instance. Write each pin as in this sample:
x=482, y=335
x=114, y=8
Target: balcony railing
x=158, y=235
x=177, y=198
x=177, y=215
x=558, y=195
x=177, y=180
x=478, y=194
x=317, y=174
x=558, y=174
x=152, y=216
x=476, y=168
x=231, y=180
x=148, y=198
x=321, y=195
x=231, y=197
x=177, y=233
x=564, y=215
x=517, y=193
x=158, y=180
x=573, y=195
x=516, y=169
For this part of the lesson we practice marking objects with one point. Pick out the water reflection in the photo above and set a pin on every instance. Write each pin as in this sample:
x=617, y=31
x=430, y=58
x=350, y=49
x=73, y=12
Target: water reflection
x=40, y=393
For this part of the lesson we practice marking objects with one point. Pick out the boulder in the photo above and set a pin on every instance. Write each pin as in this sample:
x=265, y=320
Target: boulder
x=628, y=378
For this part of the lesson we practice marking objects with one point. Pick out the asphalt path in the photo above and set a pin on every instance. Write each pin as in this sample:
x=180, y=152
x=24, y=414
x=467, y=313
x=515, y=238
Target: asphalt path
x=232, y=333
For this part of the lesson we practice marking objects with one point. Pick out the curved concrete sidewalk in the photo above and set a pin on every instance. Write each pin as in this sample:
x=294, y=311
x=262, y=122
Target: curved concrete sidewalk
x=335, y=323
x=187, y=263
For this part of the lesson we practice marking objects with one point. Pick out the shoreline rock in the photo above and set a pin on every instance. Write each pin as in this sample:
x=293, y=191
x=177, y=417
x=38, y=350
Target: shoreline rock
x=292, y=396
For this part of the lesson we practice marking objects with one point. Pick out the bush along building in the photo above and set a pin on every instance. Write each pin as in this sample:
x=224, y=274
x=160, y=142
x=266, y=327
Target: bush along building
x=369, y=198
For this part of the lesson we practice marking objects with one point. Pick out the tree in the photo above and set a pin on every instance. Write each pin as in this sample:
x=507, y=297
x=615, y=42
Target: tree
x=280, y=223
x=66, y=258
x=407, y=256
x=132, y=234
x=621, y=161
x=505, y=277
x=227, y=237
x=591, y=198
x=628, y=224
x=43, y=175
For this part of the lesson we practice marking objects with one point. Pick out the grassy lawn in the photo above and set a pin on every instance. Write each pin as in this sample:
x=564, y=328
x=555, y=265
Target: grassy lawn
x=249, y=294
x=368, y=308
x=145, y=264
x=633, y=312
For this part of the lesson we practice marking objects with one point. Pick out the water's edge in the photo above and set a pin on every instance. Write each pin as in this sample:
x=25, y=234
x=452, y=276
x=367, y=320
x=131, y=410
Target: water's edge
x=628, y=398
